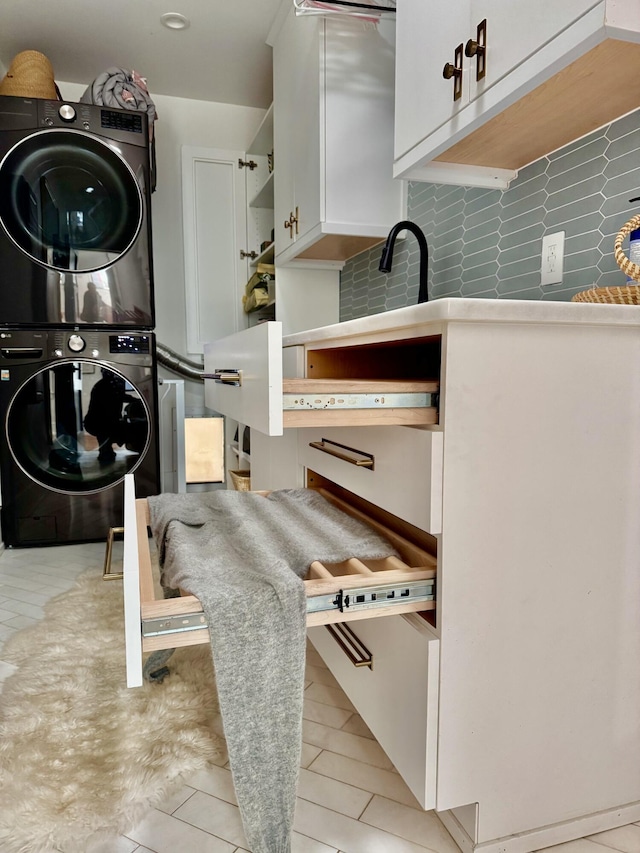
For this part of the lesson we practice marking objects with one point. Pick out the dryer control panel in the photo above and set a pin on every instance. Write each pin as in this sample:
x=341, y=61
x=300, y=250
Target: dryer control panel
x=139, y=344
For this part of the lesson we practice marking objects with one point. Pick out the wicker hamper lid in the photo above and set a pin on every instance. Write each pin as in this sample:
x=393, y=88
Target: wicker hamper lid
x=628, y=294
x=30, y=75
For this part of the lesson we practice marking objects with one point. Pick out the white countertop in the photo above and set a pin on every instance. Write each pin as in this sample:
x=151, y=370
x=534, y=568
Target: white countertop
x=475, y=311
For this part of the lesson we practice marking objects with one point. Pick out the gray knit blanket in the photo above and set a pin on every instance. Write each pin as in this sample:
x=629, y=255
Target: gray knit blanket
x=123, y=89
x=244, y=556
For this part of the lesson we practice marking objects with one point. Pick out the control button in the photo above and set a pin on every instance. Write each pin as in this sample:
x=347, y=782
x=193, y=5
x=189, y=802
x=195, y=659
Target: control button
x=49, y=122
x=67, y=112
x=95, y=353
x=58, y=353
x=76, y=343
x=86, y=125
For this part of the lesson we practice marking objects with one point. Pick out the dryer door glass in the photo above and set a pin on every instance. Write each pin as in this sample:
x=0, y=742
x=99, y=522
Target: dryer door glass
x=77, y=427
x=69, y=201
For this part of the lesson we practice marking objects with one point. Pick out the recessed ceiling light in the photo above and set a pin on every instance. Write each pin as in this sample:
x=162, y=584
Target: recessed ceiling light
x=174, y=21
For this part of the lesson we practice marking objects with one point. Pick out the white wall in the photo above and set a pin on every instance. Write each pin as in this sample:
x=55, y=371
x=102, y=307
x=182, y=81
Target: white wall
x=181, y=122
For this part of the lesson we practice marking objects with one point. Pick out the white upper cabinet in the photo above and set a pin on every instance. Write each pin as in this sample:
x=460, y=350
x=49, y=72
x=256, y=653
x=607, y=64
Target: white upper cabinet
x=333, y=138
x=522, y=79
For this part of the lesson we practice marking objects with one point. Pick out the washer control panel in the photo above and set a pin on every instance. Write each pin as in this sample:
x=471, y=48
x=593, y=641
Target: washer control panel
x=67, y=112
x=118, y=347
x=76, y=343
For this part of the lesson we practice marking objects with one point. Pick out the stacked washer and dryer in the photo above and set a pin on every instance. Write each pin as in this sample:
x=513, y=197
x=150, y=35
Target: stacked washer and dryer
x=78, y=385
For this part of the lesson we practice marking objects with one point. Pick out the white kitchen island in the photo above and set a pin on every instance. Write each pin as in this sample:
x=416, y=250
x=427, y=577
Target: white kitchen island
x=516, y=711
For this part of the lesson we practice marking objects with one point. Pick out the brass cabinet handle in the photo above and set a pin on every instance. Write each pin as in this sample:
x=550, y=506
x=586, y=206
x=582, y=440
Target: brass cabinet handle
x=478, y=47
x=331, y=447
x=472, y=47
x=229, y=376
x=354, y=649
x=455, y=70
x=291, y=222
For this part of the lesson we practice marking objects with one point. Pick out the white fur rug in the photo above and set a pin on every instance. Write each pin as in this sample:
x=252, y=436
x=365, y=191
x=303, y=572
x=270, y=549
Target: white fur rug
x=82, y=758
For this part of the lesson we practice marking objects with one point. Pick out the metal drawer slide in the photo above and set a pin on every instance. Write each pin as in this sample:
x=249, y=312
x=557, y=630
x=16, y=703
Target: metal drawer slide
x=343, y=601
x=297, y=402
x=368, y=597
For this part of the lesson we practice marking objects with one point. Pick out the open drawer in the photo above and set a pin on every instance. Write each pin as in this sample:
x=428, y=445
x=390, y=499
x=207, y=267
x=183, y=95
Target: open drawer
x=382, y=384
x=335, y=593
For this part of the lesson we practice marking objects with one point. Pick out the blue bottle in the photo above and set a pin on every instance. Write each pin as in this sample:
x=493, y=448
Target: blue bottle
x=634, y=246
x=634, y=252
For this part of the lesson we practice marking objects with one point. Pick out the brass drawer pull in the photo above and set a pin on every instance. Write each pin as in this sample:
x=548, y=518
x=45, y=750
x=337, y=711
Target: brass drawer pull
x=228, y=376
x=357, y=652
x=329, y=447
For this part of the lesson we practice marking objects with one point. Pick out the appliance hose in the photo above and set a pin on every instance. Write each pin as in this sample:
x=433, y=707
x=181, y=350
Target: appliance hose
x=179, y=364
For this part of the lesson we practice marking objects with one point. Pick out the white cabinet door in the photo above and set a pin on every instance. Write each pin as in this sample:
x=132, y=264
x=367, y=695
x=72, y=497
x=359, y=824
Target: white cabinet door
x=215, y=229
x=333, y=135
x=517, y=29
x=427, y=35
x=296, y=83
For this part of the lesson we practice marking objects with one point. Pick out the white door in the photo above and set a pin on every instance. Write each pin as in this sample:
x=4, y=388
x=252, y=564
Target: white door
x=215, y=229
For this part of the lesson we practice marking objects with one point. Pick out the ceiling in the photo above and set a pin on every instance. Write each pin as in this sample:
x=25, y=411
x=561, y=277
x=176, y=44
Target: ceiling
x=222, y=56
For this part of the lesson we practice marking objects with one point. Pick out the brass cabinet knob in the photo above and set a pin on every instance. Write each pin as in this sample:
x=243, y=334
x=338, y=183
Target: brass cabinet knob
x=450, y=71
x=478, y=47
x=291, y=222
x=454, y=70
x=472, y=48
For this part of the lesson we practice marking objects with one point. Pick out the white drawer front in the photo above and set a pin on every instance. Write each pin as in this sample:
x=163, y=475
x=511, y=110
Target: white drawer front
x=406, y=479
x=257, y=353
x=398, y=697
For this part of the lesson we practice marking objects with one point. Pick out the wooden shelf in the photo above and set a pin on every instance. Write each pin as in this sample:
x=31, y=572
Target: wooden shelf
x=265, y=257
x=264, y=196
x=263, y=140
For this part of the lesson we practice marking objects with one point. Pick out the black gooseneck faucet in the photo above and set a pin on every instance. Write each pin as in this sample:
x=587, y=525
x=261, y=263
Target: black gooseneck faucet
x=387, y=254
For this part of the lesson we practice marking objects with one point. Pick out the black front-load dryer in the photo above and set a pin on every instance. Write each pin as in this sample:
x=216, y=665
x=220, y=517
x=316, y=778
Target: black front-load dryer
x=79, y=411
x=75, y=230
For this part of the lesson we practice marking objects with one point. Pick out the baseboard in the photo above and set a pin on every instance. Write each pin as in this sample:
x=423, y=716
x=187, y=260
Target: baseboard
x=559, y=833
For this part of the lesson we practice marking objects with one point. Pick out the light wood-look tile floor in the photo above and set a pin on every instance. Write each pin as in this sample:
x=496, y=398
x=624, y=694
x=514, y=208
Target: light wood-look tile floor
x=350, y=798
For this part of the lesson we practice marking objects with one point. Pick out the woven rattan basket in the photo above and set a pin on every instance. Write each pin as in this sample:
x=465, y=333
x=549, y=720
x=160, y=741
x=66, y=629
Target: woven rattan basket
x=628, y=294
x=241, y=480
x=30, y=75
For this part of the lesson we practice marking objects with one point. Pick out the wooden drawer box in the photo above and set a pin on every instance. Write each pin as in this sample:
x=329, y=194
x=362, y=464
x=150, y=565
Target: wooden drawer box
x=396, y=468
x=351, y=386
x=398, y=696
x=351, y=591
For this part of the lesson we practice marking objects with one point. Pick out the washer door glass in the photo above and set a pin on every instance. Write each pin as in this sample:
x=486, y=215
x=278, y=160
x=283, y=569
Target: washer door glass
x=77, y=427
x=69, y=201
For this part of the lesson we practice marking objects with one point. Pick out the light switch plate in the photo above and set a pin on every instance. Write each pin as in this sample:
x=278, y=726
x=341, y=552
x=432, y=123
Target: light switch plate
x=552, y=258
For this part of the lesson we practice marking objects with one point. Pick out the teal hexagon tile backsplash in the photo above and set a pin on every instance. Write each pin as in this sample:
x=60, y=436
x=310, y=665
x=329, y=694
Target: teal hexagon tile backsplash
x=488, y=243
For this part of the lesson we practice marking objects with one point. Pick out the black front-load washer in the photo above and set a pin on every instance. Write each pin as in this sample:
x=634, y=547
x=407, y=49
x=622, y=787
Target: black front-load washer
x=75, y=229
x=79, y=411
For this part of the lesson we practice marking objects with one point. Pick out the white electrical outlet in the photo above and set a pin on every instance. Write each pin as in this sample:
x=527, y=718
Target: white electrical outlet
x=552, y=258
